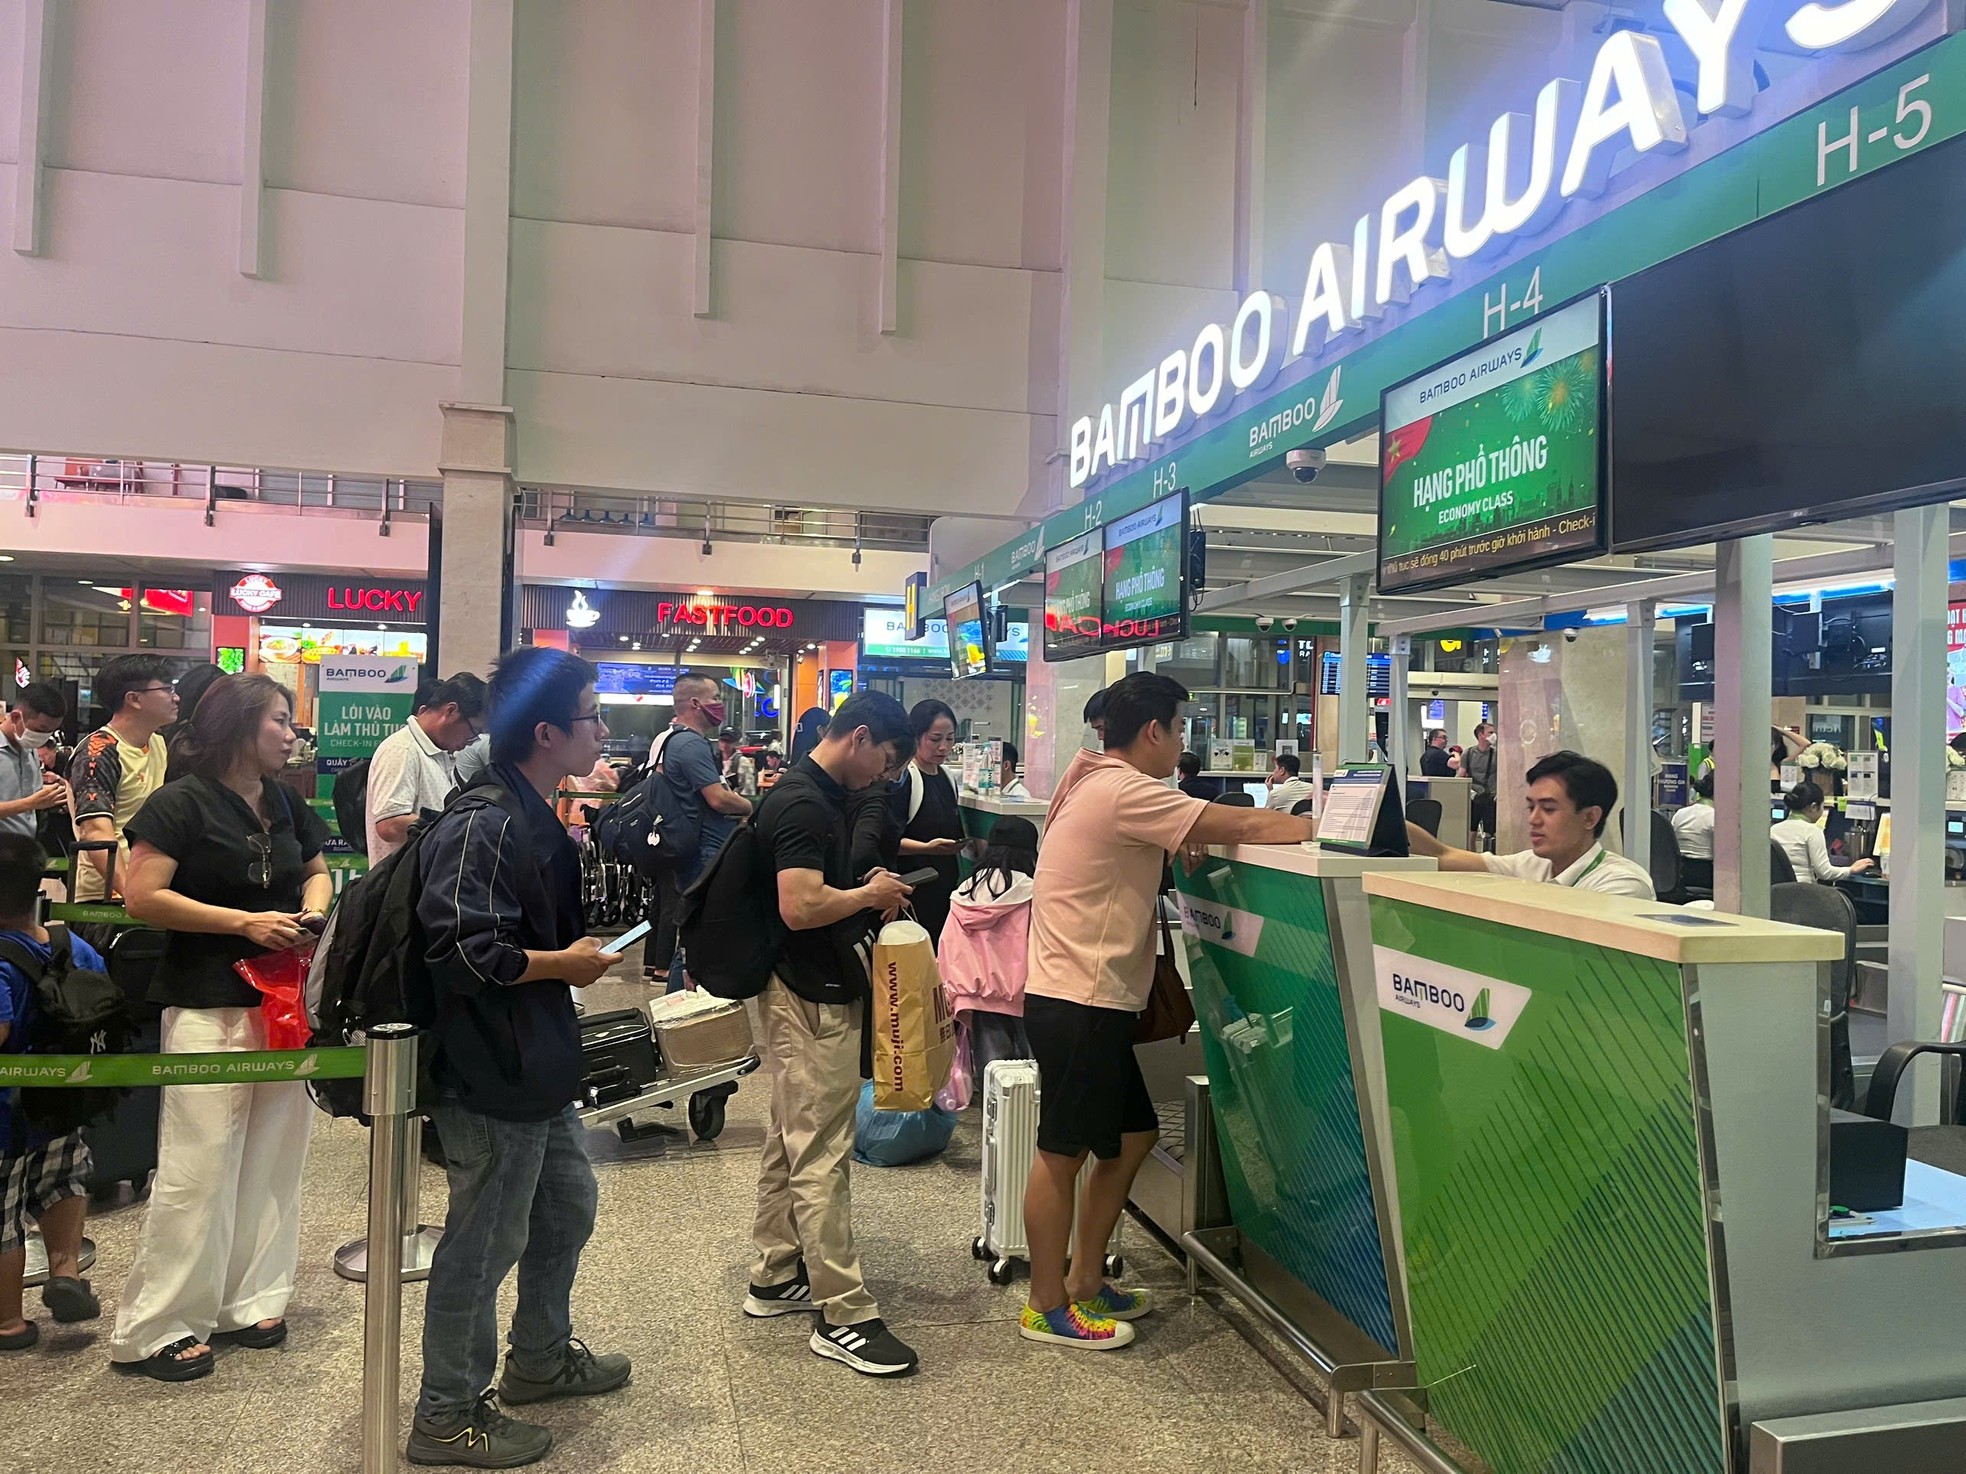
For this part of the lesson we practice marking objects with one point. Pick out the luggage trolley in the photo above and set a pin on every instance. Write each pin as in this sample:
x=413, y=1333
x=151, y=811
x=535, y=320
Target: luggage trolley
x=707, y=1091
x=628, y=1074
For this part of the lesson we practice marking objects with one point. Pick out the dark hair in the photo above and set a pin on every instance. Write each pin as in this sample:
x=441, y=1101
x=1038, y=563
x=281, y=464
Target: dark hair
x=1586, y=780
x=1481, y=727
x=1012, y=851
x=925, y=714
x=227, y=723
x=1290, y=763
x=43, y=698
x=1135, y=702
x=1703, y=783
x=729, y=734
x=1803, y=797
x=1440, y=732
x=22, y=863
x=691, y=685
x=191, y=689
x=464, y=688
x=1778, y=754
x=530, y=685
x=884, y=718
x=1010, y=752
x=127, y=673
x=1188, y=765
x=1095, y=707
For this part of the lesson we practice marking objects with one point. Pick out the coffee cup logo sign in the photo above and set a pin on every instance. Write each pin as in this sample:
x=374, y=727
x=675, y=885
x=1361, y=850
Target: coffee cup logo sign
x=1514, y=183
x=256, y=593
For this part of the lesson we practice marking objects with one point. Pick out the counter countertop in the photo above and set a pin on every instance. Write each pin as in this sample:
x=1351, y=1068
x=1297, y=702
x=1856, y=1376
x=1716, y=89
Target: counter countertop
x=1609, y=921
x=1028, y=808
x=1309, y=860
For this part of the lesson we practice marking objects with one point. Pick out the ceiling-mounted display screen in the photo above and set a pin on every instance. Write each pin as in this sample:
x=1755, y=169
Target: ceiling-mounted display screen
x=1074, y=591
x=1146, y=575
x=1803, y=369
x=1495, y=460
x=969, y=632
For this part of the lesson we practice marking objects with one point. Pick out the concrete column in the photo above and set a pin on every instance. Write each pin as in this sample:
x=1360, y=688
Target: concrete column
x=476, y=579
x=1918, y=794
x=487, y=204
x=1743, y=682
x=1400, y=732
x=1055, y=693
x=1354, y=634
x=1641, y=620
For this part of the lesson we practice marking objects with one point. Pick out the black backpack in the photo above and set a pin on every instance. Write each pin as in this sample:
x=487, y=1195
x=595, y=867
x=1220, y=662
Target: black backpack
x=369, y=966
x=351, y=806
x=653, y=826
x=77, y=1010
x=728, y=924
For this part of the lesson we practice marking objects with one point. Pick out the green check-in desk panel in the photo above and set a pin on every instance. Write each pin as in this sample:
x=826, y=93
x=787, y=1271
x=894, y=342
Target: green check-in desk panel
x=1606, y=1119
x=980, y=813
x=1280, y=962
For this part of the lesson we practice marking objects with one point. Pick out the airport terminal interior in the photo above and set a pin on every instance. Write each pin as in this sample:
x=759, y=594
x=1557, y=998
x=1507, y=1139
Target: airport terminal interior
x=874, y=633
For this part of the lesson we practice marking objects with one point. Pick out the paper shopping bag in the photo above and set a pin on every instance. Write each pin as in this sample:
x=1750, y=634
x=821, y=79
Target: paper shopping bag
x=914, y=1036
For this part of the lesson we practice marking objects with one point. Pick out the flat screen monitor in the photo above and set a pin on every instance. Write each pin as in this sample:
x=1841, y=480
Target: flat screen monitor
x=1073, y=591
x=1803, y=369
x=1145, y=596
x=969, y=632
x=1494, y=460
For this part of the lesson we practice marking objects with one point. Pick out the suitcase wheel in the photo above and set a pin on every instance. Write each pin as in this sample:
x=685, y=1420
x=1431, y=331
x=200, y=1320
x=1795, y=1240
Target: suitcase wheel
x=978, y=1250
x=1115, y=1266
x=706, y=1115
x=1003, y=1271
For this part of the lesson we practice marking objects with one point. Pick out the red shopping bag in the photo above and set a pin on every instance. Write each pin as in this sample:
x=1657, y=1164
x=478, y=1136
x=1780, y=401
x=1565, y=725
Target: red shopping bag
x=280, y=977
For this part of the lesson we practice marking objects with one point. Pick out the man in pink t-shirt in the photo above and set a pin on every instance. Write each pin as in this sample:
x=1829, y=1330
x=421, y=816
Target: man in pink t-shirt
x=1113, y=822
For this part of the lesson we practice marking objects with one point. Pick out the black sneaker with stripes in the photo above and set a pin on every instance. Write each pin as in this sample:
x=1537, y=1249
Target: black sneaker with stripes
x=870, y=1348
x=786, y=1299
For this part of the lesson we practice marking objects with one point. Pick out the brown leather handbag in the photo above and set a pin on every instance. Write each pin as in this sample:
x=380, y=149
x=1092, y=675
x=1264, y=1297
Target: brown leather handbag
x=1170, y=1013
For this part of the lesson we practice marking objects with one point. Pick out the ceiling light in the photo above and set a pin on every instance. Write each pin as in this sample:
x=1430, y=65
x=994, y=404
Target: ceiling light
x=6, y=557
x=624, y=639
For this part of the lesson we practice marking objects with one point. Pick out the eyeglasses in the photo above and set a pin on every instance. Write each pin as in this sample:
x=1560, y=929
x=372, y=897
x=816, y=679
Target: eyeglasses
x=592, y=716
x=147, y=690
x=260, y=871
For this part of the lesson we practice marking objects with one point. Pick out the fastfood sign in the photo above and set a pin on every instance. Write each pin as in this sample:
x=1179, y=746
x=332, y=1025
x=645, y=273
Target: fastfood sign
x=1515, y=184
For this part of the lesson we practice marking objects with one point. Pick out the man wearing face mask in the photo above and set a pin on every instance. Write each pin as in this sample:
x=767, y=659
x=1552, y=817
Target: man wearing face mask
x=26, y=789
x=693, y=766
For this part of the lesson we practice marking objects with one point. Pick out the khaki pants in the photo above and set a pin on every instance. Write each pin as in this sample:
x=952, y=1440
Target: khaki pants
x=812, y=1062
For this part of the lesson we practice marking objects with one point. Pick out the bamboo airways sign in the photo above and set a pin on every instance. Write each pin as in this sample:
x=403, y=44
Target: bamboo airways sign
x=1515, y=185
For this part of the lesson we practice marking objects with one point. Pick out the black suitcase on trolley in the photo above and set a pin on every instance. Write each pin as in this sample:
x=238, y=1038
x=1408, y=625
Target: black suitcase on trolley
x=619, y=1056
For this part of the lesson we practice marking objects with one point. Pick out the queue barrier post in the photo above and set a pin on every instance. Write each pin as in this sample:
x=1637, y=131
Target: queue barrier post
x=389, y=1094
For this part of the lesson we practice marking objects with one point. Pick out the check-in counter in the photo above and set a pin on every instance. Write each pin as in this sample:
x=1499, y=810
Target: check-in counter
x=981, y=812
x=1455, y=797
x=1279, y=953
x=1609, y=1123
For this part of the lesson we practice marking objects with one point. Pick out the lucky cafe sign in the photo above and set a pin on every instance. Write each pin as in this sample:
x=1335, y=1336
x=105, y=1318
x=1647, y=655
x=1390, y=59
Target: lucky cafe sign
x=1515, y=185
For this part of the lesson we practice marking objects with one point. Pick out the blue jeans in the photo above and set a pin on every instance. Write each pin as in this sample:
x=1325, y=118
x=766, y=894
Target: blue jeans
x=522, y=1192
x=685, y=878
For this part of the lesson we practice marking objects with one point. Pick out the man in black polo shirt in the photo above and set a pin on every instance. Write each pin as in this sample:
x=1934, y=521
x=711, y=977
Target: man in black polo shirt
x=810, y=1015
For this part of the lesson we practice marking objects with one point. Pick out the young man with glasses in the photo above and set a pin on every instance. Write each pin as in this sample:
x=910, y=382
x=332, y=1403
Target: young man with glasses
x=415, y=768
x=500, y=915
x=120, y=764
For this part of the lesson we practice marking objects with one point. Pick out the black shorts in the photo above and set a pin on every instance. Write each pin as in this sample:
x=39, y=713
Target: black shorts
x=1090, y=1091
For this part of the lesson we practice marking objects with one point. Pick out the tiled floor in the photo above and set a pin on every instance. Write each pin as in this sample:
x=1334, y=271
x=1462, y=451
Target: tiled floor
x=713, y=1392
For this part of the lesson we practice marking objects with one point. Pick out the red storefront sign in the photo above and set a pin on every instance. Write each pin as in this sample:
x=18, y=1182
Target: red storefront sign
x=723, y=618
x=369, y=599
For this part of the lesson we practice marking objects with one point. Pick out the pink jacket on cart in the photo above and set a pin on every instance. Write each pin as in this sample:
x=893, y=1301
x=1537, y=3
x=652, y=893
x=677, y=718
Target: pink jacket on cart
x=984, y=952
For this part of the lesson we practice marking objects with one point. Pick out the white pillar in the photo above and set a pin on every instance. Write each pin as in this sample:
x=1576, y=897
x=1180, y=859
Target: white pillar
x=1354, y=636
x=1918, y=794
x=1641, y=620
x=1404, y=749
x=487, y=205
x=476, y=586
x=1743, y=686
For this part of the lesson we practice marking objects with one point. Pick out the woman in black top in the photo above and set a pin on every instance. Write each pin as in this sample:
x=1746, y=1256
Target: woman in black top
x=228, y=861
x=932, y=828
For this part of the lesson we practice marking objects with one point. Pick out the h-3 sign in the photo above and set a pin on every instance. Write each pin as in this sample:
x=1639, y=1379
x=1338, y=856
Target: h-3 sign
x=1517, y=184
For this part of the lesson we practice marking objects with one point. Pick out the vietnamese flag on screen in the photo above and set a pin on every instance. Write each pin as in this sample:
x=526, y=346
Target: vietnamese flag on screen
x=1404, y=443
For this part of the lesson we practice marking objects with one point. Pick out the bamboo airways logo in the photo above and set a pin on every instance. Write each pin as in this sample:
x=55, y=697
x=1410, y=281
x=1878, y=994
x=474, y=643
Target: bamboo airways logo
x=1515, y=184
x=1239, y=931
x=1451, y=999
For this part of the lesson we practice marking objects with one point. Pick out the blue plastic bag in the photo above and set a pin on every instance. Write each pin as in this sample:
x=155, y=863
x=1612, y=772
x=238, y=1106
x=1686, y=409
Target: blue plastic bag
x=896, y=1138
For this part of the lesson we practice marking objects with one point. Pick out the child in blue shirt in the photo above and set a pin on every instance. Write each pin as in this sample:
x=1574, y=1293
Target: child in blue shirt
x=42, y=1177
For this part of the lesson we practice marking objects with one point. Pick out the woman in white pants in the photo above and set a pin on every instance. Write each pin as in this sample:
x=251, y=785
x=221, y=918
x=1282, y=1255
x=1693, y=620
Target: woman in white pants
x=228, y=861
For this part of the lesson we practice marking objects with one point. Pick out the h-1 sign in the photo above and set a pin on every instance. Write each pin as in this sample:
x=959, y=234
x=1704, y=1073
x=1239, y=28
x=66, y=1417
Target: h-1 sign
x=1515, y=184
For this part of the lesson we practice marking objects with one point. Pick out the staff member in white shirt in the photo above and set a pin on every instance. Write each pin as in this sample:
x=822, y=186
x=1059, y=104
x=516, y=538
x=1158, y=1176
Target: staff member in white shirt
x=415, y=769
x=1288, y=785
x=1801, y=837
x=1570, y=799
x=1692, y=826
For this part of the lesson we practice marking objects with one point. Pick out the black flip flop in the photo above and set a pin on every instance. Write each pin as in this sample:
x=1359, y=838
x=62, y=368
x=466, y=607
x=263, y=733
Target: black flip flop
x=70, y=1300
x=22, y=1339
x=257, y=1338
x=166, y=1365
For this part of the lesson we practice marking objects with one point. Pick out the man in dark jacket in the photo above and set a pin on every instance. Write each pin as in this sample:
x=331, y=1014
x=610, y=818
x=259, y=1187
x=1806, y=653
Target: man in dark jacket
x=501, y=916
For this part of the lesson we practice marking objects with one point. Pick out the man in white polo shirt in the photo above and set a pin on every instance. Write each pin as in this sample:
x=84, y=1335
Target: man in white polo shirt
x=1570, y=799
x=414, y=769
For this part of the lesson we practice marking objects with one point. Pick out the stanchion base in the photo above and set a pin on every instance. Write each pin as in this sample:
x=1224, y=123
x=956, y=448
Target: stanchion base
x=37, y=1260
x=351, y=1260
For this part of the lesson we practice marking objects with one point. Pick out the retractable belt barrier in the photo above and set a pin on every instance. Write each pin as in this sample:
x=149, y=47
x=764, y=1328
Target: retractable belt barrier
x=388, y=1064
